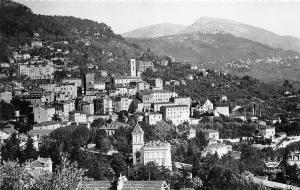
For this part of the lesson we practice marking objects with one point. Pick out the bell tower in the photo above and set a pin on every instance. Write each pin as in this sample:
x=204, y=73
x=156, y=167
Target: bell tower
x=132, y=68
x=137, y=144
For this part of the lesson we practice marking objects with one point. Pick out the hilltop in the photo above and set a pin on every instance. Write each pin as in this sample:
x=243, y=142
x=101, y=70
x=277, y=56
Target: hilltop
x=223, y=26
x=157, y=30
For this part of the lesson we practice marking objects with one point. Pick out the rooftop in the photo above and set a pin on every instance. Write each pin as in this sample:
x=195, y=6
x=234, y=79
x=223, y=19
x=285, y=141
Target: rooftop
x=137, y=129
x=46, y=123
x=156, y=144
x=176, y=106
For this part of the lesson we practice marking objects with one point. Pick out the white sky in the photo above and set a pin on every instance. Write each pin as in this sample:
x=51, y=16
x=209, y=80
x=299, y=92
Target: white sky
x=279, y=17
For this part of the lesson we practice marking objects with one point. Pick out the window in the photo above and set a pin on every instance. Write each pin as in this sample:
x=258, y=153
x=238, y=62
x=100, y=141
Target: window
x=138, y=157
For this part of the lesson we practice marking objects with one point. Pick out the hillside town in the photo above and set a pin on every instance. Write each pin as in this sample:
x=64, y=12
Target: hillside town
x=99, y=106
x=84, y=108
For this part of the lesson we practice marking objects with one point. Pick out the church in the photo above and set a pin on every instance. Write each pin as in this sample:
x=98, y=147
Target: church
x=156, y=151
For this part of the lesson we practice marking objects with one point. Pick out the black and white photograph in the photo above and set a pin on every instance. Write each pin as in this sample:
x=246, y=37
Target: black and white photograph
x=149, y=95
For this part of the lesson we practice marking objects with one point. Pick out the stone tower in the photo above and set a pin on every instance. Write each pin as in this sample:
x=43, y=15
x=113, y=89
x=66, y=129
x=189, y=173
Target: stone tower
x=132, y=68
x=137, y=144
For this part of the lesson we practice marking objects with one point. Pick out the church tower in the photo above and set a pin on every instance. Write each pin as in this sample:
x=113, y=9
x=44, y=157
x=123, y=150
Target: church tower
x=132, y=68
x=137, y=144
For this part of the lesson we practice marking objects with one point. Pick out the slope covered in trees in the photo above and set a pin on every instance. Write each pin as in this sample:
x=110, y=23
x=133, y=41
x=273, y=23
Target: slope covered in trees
x=18, y=25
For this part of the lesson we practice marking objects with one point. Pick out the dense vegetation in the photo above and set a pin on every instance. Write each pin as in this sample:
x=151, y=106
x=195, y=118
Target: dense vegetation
x=107, y=49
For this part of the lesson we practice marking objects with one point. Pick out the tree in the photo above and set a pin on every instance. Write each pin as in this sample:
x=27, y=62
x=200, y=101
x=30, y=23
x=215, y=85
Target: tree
x=7, y=111
x=96, y=165
x=98, y=123
x=66, y=176
x=13, y=176
x=56, y=118
x=81, y=136
x=76, y=154
x=11, y=150
x=30, y=153
x=118, y=164
x=133, y=106
x=123, y=116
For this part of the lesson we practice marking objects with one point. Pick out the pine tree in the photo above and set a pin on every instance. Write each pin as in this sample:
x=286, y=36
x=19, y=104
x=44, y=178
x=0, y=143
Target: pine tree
x=11, y=151
x=30, y=153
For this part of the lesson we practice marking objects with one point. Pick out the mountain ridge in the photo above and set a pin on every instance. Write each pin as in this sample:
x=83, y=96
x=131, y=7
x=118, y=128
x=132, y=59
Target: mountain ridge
x=238, y=29
x=155, y=30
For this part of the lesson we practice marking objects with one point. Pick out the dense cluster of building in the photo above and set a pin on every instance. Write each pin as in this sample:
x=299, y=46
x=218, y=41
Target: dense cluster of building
x=98, y=94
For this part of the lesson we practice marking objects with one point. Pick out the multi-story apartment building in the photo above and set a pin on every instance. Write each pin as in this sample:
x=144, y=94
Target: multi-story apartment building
x=156, y=96
x=78, y=117
x=62, y=108
x=77, y=81
x=176, y=113
x=125, y=80
x=87, y=107
x=69, y=89
x=182, y=101
x=43, y=113
x=47, y=84
x=153, y=118
x=121, y=103
x=156, y=83
x=144, y=65
x=157, y=106
x=35, y=100
x=37, y=71
x=103, y=106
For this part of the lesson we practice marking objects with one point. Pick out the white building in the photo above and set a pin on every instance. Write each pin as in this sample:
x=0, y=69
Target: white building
x=219, y=148
x=133, y=68
x=176, y=113
x=156, y=151
x=38, y=166
x=182, y=101
x=37, y=71
x=43, y=113
x=206, y=106
x=153, y=118
x=77, y=81
x=156, y=96
x=122, y=103
x=294, y=159
x=211, y=134
x=69, y=89
x=221, y=110
x=78, y=117
x=62, y=108
x=44, y=128
x=267, y=132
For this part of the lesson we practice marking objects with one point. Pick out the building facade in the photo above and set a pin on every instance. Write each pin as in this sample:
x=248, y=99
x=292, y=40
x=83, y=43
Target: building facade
x=156, y=151
x=43, y=113
x=176, y=113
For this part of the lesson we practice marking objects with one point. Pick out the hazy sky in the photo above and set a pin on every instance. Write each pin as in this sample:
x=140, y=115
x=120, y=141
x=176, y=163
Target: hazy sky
x=279, y=17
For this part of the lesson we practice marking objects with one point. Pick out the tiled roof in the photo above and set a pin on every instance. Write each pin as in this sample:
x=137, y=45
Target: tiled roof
x=137, y=129
x=46, y=123
x=128, y=185
x=156, y=144
x=143, y=185
x=9, y=130
x=95, y=185
x=40, y=163
x=210, y=131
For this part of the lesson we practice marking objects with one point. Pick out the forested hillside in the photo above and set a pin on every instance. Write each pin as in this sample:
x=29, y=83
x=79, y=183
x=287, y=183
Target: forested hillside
x=18, y=25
